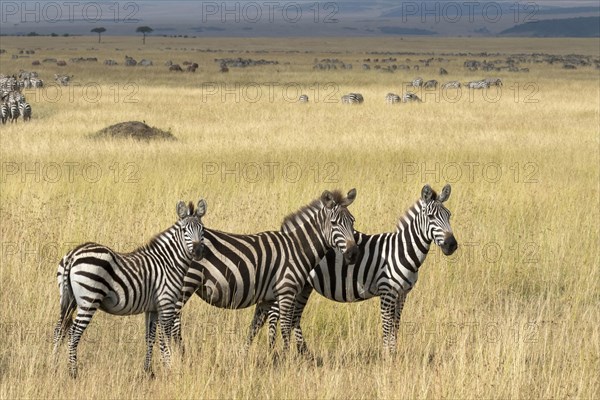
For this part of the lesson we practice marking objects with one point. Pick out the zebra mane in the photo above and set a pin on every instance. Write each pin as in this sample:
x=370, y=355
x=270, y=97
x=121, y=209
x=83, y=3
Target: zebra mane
x=406, y=216
x=290, y=220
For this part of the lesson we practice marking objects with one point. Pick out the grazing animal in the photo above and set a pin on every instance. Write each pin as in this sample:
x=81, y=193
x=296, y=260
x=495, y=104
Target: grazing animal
x=303, y=98
x=432, y=84
x=352, y=98
x=451, y=85
x=13, y=107
x=25, y=110
x=410, y=98
x=417, y=82
x=392, y=98
x=478, y=85
x=270, y=268
x=147, y=280
x=4, y=112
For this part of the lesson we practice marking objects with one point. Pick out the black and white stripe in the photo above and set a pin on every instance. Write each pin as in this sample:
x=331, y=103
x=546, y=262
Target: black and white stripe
x=270, y=268
x=432, y=84
x=478, y=85
x=388, y=264
x=410, y=98
x=392, y=98
x=4, y=112
x=25, y=110
x=13, y=108
x=417, y=82
x=452, y=85
x=352, y=98
x=147, y=280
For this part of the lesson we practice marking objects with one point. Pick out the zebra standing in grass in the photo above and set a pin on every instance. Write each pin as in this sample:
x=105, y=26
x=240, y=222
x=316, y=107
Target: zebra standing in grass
x=303, y=99
x=147, y=280
x=4, y=112
x=392, y=98
x=432, y=84
x=25, y=110
x=417, y=82
x=352, y=98
x=270, y=268
x=410, y=98
x=452, y=85
x=387, y=265
x=13, y=108
x=478, y=85
x=493, y=81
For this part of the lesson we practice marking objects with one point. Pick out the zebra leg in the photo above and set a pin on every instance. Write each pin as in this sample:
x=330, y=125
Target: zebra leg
x=82, y=320
x=65, y=320
x=166, y=323
x=177, y=338
x=388, y=305
x=258, y=321
x=286, y=310
x=397, y=314
x=151, y=322
x=273, y=317
x=301, y=301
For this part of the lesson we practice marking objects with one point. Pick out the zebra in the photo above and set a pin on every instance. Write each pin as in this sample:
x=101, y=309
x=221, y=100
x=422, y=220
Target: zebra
x=270, y=268
x=352, y=98
x=387, y=265
x=493, y=81
x=417, y=82
x=303, y=98
x=92, y=277
x=392, y=98
x=25, y=110
x=4, y=112
x=13, y=108
x=432, y=84
x=452, y=85
x=478, y=85
x=410, y=97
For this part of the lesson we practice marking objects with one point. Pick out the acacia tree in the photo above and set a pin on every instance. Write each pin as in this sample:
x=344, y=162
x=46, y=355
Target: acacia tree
x=144, y=30
x=99, y=31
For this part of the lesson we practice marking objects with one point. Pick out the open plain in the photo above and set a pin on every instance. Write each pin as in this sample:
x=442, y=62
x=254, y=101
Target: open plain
x=512, y=314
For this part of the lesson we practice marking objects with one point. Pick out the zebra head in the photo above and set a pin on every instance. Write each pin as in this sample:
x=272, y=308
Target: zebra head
x=339, y=223
x=190, y=221
x=436, y=219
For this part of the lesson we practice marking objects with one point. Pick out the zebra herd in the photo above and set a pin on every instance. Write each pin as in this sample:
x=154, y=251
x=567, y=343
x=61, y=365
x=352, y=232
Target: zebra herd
x=12, y=102
x=316, y=248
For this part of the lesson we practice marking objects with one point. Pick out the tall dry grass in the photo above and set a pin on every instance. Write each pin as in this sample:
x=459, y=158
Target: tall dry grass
x=514, y=314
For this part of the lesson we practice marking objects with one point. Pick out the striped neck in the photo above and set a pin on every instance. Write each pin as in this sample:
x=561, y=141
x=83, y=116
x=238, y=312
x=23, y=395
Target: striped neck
x=307, y=228
x=411, y=232
x=169, y=247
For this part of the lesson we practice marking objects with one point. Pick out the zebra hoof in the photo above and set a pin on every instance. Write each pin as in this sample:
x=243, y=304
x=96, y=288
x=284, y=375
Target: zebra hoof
x=73, y=373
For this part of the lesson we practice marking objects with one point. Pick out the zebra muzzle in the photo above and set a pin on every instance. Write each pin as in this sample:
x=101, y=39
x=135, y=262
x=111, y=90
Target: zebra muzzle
x=197, y=251
x=449, y=245
x=351, y=254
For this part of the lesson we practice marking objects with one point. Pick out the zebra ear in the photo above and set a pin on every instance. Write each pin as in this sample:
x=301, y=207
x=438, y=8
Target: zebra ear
x=348, y=200
x=327, y=199
x=426, y=193
x=445, y=193
x=201, y=208
x=182, y=209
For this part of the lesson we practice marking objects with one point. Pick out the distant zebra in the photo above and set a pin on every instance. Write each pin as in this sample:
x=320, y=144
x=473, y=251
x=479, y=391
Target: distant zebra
x=352, y=98
x=303, y=99
x=13, y=108
x=410, y=98
x=147, y=280
x=392, y=98
x=269, y=268
x=493, y=81
x=25, y=110
x=4, y=112
x=478, y=85
x=432, y=84
x=452, y=85
x=387, y=265
x=417, y=82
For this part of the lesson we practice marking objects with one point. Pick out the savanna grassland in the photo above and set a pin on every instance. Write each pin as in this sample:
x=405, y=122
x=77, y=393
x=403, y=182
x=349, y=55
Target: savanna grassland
x=513, y=314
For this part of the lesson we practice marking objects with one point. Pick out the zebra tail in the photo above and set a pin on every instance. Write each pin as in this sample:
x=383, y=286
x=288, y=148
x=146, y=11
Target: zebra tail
x=67, y=299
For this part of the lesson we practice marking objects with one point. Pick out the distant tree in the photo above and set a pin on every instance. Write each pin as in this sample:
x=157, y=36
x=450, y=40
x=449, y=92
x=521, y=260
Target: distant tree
x=99, y=31
x=144, y=30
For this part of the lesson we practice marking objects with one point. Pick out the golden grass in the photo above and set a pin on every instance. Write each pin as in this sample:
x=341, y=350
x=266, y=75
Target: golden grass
x=514, y=314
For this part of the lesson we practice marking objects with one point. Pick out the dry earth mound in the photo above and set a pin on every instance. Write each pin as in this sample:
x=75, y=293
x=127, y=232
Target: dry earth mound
x=134, y=130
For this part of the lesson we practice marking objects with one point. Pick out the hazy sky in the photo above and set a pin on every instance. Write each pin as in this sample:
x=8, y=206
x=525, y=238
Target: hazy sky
x=276, y=17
